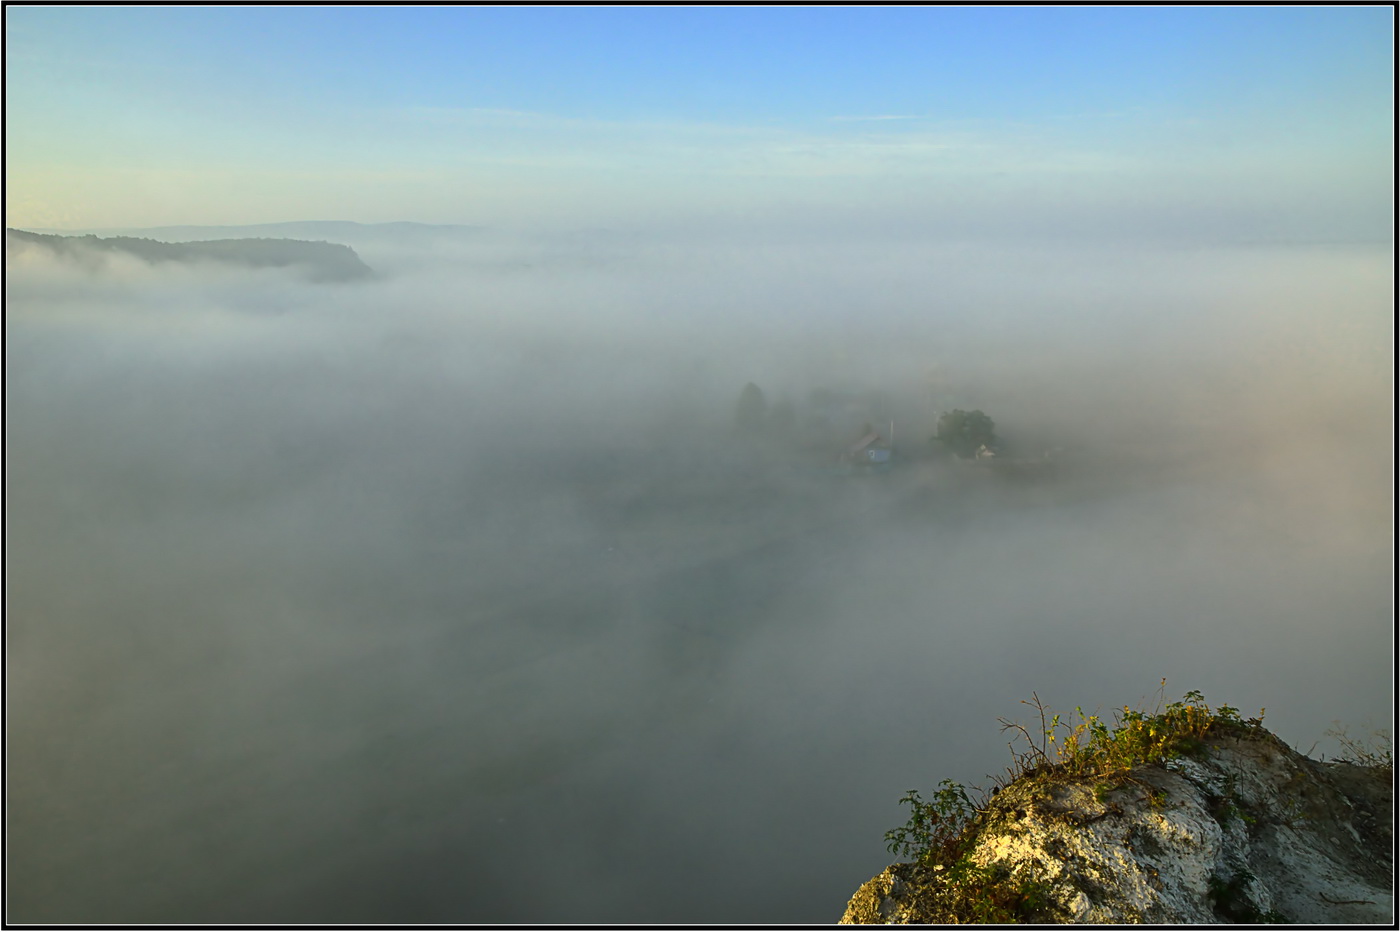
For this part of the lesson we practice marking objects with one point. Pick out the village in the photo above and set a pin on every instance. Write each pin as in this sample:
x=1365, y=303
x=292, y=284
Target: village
x=863, y=432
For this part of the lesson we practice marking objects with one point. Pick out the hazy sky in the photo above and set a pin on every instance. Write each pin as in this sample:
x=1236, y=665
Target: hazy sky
x=1233, y=123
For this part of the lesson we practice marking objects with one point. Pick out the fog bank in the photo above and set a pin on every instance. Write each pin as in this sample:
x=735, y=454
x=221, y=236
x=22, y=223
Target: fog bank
x=454, y=596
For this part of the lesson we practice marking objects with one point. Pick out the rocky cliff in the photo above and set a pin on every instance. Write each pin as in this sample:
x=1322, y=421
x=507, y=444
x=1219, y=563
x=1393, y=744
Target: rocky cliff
x=1244, y=829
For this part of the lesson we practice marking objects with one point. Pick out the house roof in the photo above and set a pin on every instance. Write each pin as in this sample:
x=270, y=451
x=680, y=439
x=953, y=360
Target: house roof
x=862, y=443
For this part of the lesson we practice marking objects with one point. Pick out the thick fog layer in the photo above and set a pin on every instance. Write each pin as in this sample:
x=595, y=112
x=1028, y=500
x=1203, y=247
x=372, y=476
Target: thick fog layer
x=457, y=596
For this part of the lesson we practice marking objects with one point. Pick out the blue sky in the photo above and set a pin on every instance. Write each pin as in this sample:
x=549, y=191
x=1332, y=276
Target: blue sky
x=1268, y=118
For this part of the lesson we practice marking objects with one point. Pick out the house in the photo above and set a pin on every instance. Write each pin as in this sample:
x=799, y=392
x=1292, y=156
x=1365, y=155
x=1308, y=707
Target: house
x=869, y=452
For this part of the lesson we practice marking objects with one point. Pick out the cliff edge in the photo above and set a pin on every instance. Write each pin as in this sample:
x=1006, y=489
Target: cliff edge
x=1243, y=829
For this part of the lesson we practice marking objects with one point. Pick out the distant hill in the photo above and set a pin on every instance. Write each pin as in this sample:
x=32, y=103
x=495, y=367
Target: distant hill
x=318, y=261
x=333, y=231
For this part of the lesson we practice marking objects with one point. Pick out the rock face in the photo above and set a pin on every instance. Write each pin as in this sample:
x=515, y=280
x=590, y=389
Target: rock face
x=1246, y=831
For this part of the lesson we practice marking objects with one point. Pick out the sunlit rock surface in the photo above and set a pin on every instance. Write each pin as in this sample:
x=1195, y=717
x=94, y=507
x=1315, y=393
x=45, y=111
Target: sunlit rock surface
x=1250, y=831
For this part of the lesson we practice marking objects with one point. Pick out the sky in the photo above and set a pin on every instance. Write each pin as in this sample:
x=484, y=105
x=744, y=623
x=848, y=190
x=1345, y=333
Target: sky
x=1234, y=123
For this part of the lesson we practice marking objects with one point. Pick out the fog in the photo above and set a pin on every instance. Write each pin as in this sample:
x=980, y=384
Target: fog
x=456, y=597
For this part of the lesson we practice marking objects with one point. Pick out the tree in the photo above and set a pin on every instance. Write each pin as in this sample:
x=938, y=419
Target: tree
x=751, y=410
x=963, y=432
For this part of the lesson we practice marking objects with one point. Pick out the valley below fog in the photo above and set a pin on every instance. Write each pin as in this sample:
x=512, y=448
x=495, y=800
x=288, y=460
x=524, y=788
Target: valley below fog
x=454, y=595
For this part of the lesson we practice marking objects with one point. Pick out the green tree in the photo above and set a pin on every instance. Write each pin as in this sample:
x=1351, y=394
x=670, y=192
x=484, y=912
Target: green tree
x=751, y=410
x=963, y=432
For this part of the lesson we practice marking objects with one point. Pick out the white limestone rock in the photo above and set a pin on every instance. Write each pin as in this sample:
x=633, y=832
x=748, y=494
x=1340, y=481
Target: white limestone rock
x=1249, y=831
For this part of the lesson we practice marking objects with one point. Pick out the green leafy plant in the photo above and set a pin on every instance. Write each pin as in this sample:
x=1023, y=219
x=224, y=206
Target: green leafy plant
x=940, y=831
x=936, y=827
x=990, y=893
x=1087, y=746
x=938, y=835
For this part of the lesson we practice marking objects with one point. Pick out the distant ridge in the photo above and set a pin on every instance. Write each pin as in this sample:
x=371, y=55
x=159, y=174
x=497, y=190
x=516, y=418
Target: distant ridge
x=319, y=261
x=347, y=232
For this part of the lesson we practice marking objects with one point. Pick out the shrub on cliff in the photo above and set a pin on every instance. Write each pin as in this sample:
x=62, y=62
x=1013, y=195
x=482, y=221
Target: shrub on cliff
x=1085, y=746
x=940, y=832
